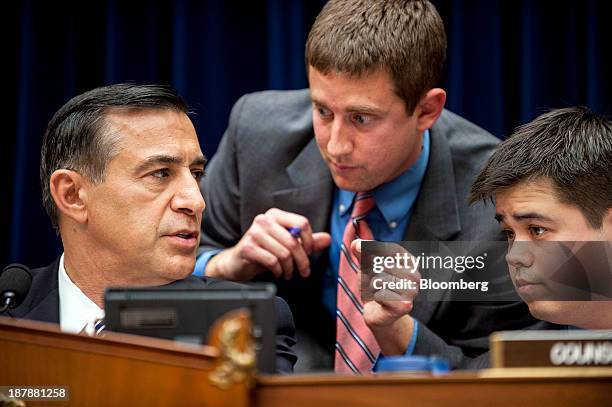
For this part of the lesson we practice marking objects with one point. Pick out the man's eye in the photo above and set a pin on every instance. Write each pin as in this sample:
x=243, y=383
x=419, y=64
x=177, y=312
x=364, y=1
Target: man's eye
x=323, y=112
x=537, y=230
x=198, y=175
x=361, y=119
x=161, y=173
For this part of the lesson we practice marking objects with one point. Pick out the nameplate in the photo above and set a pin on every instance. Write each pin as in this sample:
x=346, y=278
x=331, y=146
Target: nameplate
x=575, y=348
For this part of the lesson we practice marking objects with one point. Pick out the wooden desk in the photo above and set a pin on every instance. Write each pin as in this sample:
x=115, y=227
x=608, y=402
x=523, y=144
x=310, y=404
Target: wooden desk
x=119, y=369
x=127, y=370
x=508, y=387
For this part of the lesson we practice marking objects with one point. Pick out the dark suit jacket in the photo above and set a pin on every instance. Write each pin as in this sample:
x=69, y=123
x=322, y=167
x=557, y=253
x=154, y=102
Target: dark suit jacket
x=268, y=158
x=42, y=304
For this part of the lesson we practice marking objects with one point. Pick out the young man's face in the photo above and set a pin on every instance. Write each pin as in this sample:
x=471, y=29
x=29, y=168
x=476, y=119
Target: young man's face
x=534, y=219
x=362, y=129
x=145, y=216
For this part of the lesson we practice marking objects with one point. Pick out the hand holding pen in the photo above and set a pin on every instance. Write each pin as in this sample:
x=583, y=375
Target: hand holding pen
x=278, y=241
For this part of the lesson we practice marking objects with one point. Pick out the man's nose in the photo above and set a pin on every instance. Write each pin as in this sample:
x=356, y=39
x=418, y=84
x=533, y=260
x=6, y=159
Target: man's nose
x=188, y=197
x=520, y=254
x=340, y=141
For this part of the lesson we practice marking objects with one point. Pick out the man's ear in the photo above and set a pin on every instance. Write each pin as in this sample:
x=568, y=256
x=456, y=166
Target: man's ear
x=68, y=189
x=430, y=108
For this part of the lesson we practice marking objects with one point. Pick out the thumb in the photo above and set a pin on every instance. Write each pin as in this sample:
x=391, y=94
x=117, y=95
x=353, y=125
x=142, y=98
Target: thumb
x=356, y=247
x=320, y=241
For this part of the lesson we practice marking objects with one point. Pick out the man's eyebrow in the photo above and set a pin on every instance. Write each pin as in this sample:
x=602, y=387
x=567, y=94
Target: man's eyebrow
x=199, y=160
x=316, y=102
x=363, y=109
x=352, y=109
x=167, y=160
x=531, y=215
x=524, y=216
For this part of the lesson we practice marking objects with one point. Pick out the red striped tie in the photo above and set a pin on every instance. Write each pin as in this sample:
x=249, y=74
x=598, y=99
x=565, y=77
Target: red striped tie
x=356, y=347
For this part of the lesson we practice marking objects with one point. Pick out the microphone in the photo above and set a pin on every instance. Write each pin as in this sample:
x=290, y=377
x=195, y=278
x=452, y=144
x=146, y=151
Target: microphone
x=15, y=282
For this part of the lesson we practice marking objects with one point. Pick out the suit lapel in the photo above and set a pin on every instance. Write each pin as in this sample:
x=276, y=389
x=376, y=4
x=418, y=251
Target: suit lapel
x=47, y=310
x=436, y=214
x=312, y=188
x=310, y=195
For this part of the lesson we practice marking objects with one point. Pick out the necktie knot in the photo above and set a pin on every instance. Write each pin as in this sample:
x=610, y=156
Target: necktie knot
x=99, y=326
x=364, y=203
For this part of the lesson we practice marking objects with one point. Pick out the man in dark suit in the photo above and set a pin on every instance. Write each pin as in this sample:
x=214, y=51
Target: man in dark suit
x=370, y=128
x=119, y=175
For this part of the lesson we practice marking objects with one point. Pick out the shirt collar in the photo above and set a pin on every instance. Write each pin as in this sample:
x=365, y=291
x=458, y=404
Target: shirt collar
x=77, y=311
x=390, y=196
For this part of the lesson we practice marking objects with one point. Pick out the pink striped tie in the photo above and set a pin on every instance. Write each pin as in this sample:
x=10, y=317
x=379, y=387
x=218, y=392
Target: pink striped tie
x=356, y=347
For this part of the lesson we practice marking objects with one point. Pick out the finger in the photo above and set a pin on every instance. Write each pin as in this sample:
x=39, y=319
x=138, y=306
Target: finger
x=382, y=296
x=388, y=287
x=404, y=271
x=412, y=271
x=394, y=295
x=397, y=308
x=288, y=220
x=294, y=246
x=275, y=238
x=257, y=255
x=399, y=275
x=356, y=247
x=321, y=241
x=265, y=239
x=382, y=313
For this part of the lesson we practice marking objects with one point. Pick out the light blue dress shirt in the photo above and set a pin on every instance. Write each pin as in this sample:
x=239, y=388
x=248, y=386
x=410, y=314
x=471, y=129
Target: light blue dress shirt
x=388, y=221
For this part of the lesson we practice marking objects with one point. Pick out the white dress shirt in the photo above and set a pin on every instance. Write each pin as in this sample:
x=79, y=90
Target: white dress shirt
x=77, y=311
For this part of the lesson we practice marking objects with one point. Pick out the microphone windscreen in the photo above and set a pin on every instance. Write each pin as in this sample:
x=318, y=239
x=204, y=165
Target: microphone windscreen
x=16, y=278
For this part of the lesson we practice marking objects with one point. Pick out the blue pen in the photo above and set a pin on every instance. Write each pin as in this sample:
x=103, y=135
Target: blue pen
x=294, y=231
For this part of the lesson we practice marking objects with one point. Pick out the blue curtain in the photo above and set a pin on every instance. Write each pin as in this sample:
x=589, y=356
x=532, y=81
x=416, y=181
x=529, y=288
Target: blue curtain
x=507, y=62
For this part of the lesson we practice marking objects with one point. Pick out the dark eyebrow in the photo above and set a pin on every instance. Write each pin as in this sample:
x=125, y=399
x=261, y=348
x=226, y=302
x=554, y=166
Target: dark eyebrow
x=199, y=160
x=531, y=215
x=353, y=109
x=167, y=160
x=364, y=109
x=524, y=216
x=317, y=102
